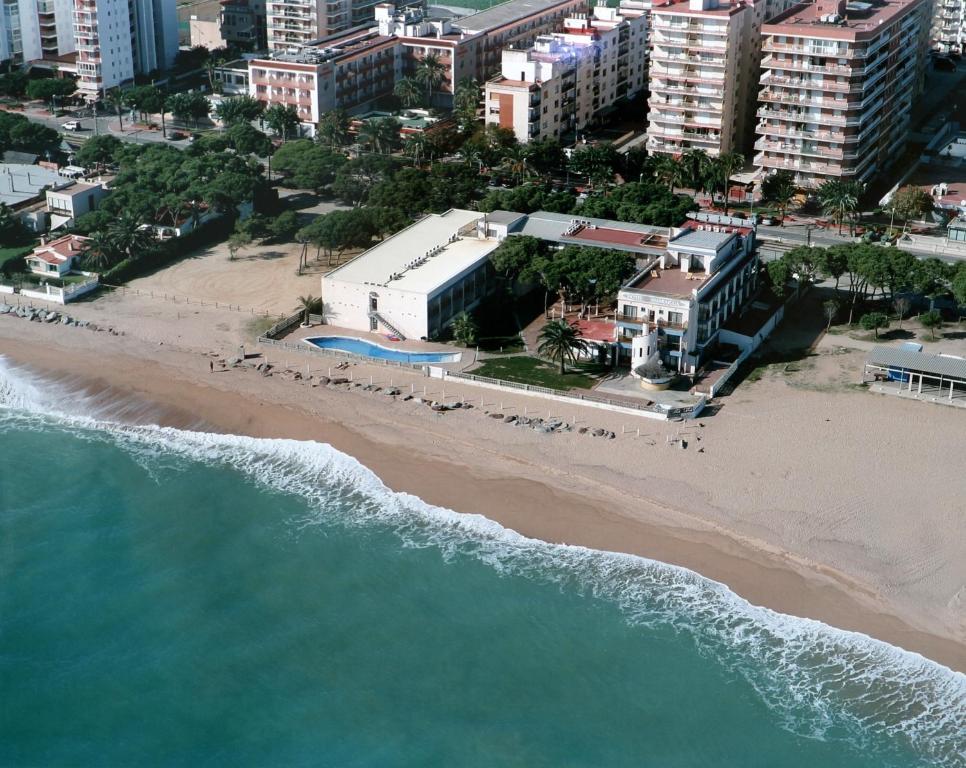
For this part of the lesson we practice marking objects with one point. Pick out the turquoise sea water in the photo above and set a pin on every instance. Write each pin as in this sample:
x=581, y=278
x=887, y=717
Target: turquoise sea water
x=175, y=598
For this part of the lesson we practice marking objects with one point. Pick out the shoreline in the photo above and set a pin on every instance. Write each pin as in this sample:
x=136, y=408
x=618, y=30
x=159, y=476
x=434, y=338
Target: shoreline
x=531, y=497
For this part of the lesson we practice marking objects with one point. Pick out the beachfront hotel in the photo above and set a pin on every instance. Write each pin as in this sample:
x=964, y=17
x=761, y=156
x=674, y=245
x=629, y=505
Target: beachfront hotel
x=838, y=83
x=568, y=79
x=675, y=307
x=411, y=285
x=703, y=70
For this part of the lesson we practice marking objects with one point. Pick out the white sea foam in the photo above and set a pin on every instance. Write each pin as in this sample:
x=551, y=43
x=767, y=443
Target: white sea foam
x=822, y=682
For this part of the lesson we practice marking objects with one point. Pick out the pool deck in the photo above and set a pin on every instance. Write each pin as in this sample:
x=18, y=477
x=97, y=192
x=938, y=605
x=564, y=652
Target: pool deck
x=316, y=331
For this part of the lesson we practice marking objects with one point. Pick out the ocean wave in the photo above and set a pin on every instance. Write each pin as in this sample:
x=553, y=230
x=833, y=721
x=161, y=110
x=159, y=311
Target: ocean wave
x=820, y=681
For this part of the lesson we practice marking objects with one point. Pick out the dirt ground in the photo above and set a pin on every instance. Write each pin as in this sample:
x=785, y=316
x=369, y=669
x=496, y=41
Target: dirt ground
x=262, y=277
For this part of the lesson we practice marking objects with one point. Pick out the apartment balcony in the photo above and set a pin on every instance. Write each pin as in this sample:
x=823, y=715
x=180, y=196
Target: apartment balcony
x=808, y=49
x=689, y=58
x=779, y=96
x=807, y=166
x=661, y=87
x=782, y=129
x=664, y=133
x=684, y=105
x=691, y=76
x=838, y=86
x=659, y=23
x=805, y=150
x=92, y=50
x=806, y=117
x=801, y=65
x=689, y=121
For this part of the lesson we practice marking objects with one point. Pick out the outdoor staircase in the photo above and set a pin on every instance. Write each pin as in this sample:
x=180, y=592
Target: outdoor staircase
x=390, y=326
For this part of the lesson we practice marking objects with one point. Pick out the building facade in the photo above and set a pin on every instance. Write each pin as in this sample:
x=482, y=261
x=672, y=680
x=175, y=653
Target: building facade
x=566, y=80
x=702, y=75
x=354, y=69
x=31, y=30
x=116, y=40
x=292, y=24
x=243, y=23
x=838, y=84
x=673, y=309
x=949, y=26
x=414, y=283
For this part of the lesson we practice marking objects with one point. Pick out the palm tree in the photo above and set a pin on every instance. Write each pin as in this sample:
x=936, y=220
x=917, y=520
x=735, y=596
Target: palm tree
x=694, y=163
x=415, y=147
x=310, y=306
x=561, y=341
x=729, y=163
x=669, y=171
x=779, y=188
x=100, y=252
x=334, y=128
x=430, y=72
x=409, y=91
x=515, y=159
x=116, y=99
x=381, y=135
x=839, y=199
x=464, y=329
x=128, y=237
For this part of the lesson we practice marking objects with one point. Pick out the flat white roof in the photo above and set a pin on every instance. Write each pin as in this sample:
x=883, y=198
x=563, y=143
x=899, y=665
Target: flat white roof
x=397, y=255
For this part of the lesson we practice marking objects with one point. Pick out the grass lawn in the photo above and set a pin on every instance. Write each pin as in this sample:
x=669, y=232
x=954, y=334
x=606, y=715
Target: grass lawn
x=8, y=253
x=531, y=370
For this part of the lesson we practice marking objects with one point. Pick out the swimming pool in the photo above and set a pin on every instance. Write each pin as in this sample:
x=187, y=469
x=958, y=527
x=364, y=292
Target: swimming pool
x=368, y=349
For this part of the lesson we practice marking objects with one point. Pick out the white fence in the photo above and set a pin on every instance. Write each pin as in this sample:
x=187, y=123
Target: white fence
x=60, y=295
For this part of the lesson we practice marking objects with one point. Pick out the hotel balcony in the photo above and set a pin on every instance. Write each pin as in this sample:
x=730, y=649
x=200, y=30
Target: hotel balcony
x=660, y=22
x=658, y=54
x=684, y=105
x=806, y=150
x=839, y=86
x=806, y=49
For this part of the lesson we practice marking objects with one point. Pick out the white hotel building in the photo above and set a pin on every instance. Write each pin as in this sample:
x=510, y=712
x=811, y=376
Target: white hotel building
x=414, y=283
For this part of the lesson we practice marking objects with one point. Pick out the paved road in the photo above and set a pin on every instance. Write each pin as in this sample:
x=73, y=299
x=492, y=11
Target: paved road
x=798, y=234
x=106, y=124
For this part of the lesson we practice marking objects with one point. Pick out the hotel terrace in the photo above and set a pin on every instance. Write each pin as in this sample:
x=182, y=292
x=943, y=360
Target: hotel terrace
x=837, y=87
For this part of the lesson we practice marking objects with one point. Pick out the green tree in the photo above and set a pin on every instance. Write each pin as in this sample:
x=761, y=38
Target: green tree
x=238, y=241
x=834, y=262
x=670, y=172
x=873, y=321
x=779, y=273
x=958, y=284
x=545, y=156
x=100, y=252
x=239, y=109
x=779, y=188
x=13, y=84
x=334, y=128
x=932, y=320
x=311, y=305
x=466, y=99
x=560, y=341
x=245, y=139
x=33, y=137
x=515, y=255
x=430, y=73
x=189, y=107
x=464, y=329
x=840, y=199
x=409, y=92
x=902, y=305
x=730, y=163
x=284, y=226
x=831, y=308
x=381, y=134
x=307, y=165
x=339, y=231
x=597, y=162
x=128, y=237
x=282, y=119
x=910, y=203
x=50, y=88
x=696, y=163
x=11, y=228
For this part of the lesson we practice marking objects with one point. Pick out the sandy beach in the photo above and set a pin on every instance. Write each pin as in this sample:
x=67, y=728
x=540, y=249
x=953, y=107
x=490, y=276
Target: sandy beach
x=816, y=501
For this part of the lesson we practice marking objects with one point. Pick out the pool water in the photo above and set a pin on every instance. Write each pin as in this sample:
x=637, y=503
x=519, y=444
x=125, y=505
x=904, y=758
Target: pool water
x=368, y=349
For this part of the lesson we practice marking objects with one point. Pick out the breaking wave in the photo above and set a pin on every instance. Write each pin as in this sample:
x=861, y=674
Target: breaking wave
x=821, y=682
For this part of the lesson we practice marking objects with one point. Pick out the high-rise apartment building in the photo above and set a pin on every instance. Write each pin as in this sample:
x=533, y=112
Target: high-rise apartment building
x=35, y=29
x=292, y=24
x=116, y=39
x=703, y=74
x=837, y=87
x=949, y=26
x=567, y=79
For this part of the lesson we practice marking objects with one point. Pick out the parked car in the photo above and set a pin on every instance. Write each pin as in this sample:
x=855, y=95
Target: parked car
x=72, y=125
x=175, y=136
